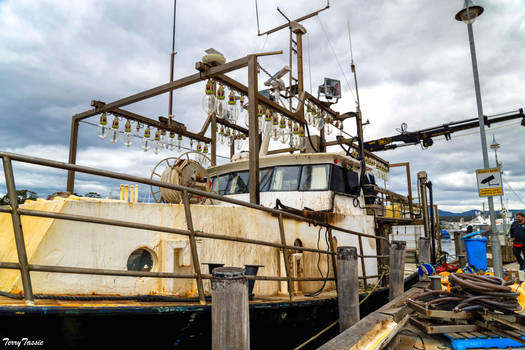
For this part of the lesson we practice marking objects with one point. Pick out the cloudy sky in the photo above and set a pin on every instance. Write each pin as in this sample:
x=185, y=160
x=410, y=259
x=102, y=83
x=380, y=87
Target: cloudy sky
x=412, y=58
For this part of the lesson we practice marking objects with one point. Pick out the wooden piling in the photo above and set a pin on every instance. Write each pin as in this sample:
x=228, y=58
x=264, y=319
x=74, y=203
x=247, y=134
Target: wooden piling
x=230, y=318
x=424, y=250
x=459, y=245
x=347, y=287
x=462, y=259
x=435, y=282
x=397, y=269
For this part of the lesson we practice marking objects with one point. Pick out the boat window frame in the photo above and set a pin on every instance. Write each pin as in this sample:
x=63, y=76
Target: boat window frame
x=329, y=179
x=299, y=173
x=346, y=194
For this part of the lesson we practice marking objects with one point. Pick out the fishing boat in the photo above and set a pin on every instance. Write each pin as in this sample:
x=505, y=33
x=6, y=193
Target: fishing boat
x=81, y=272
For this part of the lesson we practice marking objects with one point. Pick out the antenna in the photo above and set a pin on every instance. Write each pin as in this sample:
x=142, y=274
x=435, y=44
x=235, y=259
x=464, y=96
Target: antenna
x=310, y=15
x=172, y=58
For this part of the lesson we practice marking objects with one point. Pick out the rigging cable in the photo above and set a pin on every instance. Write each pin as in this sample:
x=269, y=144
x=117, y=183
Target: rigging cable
x=336, y=321
x=310, y=139
x=309, y=62
x=318, y=292
x=515, y=193
x=335, y=56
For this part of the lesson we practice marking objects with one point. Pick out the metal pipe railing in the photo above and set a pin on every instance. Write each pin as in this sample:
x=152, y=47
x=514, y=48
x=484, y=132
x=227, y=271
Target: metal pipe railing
x=25, y=267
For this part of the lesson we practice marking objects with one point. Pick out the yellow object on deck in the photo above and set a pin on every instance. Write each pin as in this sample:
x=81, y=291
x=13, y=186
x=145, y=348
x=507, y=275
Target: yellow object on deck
x=35, y=229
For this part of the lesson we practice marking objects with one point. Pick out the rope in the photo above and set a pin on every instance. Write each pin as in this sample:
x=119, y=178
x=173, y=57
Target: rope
x=316, y=336
x=101, y=297
x=336, y=321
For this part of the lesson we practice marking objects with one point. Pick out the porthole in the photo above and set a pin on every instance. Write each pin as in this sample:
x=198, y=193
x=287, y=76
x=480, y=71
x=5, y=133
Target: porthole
x=141, y=260
x=298, y=243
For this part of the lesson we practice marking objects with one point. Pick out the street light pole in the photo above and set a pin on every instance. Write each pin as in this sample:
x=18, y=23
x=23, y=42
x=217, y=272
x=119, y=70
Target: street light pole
x=468, y=15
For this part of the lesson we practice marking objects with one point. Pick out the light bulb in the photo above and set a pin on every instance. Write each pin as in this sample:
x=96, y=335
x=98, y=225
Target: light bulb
x=208, y=100
x=302, y=139
x=267, y=126
x=156, y=143
x=221, y=105
x=295, y=136
x=260, y=118
x=239, y=141
x=283, y=134
x=191, y=144
x=227, y=137
x=320, y=121
x=328, y=128
x=179, y=143
x=232, y=111
x=128, y=137
x=102, y=129
x=146, y=142
x=308, y=115
x=163, y=143
x=171, y=145
x=341, y=127
x=275, y=131
x=243, y=111
x=221, y=135
x=115, y=134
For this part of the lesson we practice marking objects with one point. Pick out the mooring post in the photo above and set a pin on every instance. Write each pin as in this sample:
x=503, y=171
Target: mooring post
x=230, y=317
x=435, y=282
x=347, y=287
x=397, y=268
x=424, y=250
x=459, y=245
x=462, y=260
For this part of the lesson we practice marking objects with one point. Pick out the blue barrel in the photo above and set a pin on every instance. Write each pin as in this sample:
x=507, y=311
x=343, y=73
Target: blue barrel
x=476, y=251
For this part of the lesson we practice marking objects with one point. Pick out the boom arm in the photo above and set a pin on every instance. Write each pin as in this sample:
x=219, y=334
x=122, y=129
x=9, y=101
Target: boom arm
x=425, y=136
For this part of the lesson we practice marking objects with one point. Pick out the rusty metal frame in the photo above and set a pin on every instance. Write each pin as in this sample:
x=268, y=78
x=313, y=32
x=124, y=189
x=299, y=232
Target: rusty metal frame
x=409, y=185
x=17, y=228
x=25, y=267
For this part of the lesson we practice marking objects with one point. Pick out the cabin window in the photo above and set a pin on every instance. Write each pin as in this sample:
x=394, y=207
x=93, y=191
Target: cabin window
x=344, y=181
x=265, y=177
x=220, y=184
x=353, y=182
x=238, y=183
x=339, y=183
x=315, y=177
x=285, y=178
x=140, y=260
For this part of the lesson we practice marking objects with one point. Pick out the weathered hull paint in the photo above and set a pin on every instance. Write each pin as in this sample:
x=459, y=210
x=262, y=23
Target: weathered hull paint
x=277, y=325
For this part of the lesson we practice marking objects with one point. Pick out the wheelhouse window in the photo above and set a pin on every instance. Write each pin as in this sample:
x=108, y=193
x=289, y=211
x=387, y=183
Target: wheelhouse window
x=265, y=179
x=285, y=178
x=315, y=177
x=220, y=183
x=238, y=183
x=344, y=181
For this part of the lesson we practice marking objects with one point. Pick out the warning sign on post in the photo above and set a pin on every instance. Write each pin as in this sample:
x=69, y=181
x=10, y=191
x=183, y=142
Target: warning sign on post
x=489, y=182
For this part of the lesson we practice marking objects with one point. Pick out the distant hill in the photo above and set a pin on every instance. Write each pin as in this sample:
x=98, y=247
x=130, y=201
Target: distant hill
x=472, y=212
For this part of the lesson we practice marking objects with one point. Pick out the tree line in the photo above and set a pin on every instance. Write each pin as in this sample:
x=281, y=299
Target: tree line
x=24, y=195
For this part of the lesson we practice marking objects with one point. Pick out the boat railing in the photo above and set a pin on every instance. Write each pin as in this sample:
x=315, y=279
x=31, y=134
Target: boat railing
x=25, y=268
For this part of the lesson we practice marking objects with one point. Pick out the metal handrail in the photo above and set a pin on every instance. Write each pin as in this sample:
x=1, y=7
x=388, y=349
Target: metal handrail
x=25, y=267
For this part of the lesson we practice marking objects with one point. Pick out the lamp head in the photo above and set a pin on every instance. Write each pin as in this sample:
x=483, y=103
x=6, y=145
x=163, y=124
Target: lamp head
x=473, y=12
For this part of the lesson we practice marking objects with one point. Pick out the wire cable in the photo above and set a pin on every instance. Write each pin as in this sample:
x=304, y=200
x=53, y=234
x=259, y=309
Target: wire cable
x=515, y=193
x=335, y=56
